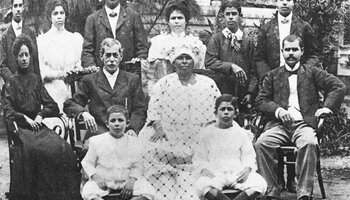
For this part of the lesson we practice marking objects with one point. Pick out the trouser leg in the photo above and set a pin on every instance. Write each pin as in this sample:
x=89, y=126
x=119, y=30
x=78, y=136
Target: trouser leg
x=306, y=142
x=267, y=157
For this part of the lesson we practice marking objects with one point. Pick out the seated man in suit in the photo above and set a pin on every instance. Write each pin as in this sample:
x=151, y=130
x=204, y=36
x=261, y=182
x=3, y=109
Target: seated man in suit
x=289, y=96
x=107, y=87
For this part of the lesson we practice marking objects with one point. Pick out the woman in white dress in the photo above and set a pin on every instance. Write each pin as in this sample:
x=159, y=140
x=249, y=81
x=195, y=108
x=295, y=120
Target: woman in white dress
x=181, y=104
x=59, y=52
x=177, y=16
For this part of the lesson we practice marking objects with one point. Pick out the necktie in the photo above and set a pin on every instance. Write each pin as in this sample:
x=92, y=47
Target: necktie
x=292, y=72
x=19, y=27
x=284, y=21
x=113, y=14
x=234, y=42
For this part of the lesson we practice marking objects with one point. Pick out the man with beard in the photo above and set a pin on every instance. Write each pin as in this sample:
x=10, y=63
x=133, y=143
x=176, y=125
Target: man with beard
x=289, y=97
x=231, y=51
x=8, y=62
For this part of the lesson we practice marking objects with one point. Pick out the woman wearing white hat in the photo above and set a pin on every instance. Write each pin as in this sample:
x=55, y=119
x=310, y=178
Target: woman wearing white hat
x=181, y=104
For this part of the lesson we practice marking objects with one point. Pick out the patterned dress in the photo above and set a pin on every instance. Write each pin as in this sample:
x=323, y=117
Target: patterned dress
x=183, y=111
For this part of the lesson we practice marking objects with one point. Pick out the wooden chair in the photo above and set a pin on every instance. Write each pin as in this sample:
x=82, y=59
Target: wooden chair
x=258, y=124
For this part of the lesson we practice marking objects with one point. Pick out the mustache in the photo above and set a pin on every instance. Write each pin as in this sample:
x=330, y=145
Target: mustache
x=291, y=58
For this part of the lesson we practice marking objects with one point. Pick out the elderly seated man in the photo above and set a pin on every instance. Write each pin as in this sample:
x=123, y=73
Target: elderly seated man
x=290, y=97
x=109, y=86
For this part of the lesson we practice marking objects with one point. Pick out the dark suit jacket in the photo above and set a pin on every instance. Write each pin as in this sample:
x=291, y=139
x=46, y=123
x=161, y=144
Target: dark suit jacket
x=220, y=56
x=96, y=92
x=129, y=32
x=8, y=61
x=275, y=93
x=268, y=50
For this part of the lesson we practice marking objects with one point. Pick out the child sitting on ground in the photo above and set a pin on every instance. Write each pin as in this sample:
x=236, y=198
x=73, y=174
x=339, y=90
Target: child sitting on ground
x=113, y=162
x=225, y=157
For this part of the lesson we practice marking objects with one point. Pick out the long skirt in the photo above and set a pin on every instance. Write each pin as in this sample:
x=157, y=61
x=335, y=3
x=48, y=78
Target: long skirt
x=44, y=167
x=168, y=165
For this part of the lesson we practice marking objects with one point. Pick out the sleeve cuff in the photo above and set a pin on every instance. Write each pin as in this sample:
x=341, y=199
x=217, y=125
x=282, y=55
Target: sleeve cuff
x=278, y=111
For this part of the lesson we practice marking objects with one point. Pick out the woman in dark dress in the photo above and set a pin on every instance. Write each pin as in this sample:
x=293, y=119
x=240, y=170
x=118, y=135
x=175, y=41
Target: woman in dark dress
x=44, y=165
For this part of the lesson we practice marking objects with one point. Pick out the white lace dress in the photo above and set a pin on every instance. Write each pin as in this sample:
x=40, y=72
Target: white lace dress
x=59, y=52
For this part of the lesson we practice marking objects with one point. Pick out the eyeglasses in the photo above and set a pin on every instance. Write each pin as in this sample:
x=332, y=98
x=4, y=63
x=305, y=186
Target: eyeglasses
x=17, y=5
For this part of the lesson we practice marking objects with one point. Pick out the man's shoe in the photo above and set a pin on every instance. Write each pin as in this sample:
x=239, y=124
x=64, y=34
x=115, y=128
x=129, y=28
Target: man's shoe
x=291, y=186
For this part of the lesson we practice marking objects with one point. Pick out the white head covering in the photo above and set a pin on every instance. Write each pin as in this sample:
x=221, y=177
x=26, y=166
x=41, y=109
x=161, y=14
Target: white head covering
x=188, y=49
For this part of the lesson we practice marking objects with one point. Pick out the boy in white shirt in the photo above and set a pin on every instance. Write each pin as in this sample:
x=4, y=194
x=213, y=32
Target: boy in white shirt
x=113, y=162
x=225, y=157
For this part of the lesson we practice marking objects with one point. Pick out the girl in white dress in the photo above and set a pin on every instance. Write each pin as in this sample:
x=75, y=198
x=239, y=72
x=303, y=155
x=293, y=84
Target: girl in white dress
x=59, y=52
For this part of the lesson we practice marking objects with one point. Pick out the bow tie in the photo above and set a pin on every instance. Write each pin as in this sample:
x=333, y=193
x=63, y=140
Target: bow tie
x=113, y=14
x=285, y=21
x=292, y=72
x=234, y=43
x=18, y=27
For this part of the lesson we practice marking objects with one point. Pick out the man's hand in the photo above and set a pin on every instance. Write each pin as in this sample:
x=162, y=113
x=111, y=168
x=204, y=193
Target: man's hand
x=207, y=173
x=159, y=135
x=243, y=175
x=285, y=116
x=247, y=99
x=89, y=121
x=239, y=72
x=35, y=125
x=131, y=132
x=100, y=182
x=128, y=189
x=321, y=111
x=38, y=119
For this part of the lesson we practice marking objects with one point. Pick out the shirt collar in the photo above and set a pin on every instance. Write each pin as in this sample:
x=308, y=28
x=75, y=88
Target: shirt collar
x=108, y=75
x=226, y=32
x=15, y=24
x=115, y=10
x=289, y=17
x=296, y=67
x=179, y=35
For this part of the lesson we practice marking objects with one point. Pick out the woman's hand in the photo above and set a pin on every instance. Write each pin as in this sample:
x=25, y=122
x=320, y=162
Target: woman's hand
x=100, y=182
x=128, y=189
x=159, y=135
x=34, y=124
x=243, y=175
x=207, y=173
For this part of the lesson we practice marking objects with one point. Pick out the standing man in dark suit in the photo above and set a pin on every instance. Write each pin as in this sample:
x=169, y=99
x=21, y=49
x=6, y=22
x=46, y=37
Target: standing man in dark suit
x=107, y=87
x=268, y=55
x=231, y=51
x=114, y=20
x=8, y=62
x=289, y=96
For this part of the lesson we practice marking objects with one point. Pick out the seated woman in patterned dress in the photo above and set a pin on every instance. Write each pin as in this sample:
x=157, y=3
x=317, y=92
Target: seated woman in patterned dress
x=180, y=104
x=177, y=15
x=44, y=165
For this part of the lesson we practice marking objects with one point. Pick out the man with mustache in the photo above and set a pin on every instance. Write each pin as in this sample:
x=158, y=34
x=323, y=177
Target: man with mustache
x=231, y=51
x=268, y=55
x=289, y=96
